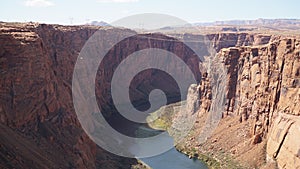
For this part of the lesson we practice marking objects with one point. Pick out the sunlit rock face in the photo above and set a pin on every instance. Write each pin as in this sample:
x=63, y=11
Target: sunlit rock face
x=263, y=89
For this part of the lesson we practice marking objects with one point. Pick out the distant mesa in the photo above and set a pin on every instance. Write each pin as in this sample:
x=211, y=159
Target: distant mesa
x=291, y=23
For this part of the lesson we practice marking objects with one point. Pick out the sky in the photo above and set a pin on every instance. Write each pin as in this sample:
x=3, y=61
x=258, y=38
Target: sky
x=70, y=12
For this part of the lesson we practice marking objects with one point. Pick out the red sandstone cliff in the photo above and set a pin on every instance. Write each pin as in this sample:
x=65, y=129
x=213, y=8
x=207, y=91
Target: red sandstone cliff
x=260, y=121
x=39, y=128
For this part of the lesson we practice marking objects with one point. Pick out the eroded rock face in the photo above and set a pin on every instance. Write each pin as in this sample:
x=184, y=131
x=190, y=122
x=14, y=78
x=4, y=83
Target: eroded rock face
x=283, y=142
x=263, y=91
x=144, y=82
x=225, y=40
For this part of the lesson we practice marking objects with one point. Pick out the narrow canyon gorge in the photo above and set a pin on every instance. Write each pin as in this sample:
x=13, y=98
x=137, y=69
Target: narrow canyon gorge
x=260, y=124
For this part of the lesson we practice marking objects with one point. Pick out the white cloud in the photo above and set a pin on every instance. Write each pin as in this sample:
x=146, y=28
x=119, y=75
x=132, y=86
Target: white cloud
x=117, y=1
x=38, y=3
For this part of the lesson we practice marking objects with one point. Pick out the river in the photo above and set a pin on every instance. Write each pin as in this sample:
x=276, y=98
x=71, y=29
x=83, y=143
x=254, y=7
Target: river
x=171, y=159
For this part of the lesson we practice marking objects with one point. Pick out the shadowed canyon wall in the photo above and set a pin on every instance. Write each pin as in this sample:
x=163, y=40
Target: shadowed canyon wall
x=39, y=127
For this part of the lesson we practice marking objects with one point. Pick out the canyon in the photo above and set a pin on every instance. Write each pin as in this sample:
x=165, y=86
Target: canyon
x=39, y=127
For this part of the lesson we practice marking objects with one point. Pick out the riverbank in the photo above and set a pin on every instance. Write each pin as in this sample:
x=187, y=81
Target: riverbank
x=212, y=158
x=163, y=121
x=169, y=159
x=229, y=146
x=210, y=162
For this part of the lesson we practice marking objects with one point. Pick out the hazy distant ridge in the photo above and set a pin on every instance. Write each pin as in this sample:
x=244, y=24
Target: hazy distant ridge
x=262, y=22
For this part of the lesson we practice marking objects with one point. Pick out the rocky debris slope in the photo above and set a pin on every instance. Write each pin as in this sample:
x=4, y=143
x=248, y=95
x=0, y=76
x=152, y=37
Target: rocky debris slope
x=261, y=113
